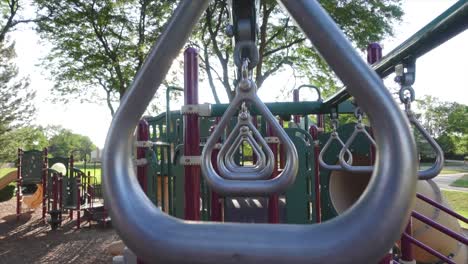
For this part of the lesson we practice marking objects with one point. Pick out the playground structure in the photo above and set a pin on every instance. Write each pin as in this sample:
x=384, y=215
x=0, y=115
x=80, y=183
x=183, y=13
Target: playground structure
x=334, y=196
x=61, y=188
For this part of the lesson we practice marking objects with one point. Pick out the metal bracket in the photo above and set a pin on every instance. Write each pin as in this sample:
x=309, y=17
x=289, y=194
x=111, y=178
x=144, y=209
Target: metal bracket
x=143, y=144
x=190, y=160
x=200, y=109
x=272, y=140
x=141, y=162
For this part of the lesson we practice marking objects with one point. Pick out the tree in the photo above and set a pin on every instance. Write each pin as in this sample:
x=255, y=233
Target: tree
x=99, y=45
x=9, y=17
x=65, y=143
x=27, y=138
x=281, y=44
x=16, y=105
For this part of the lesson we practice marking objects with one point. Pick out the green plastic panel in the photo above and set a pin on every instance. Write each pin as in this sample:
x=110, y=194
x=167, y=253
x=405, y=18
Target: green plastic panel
x=31, y=166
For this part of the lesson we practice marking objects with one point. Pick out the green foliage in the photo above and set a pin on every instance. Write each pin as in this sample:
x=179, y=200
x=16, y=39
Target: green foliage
x=16, y=106
x=447, y=122
x=27, y=138
x=65, y=143
x=7, y=193
x=99, y=45
x=281, y=44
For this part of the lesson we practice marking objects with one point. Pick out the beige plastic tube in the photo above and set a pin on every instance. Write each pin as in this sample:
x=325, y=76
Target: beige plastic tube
x=346, y=188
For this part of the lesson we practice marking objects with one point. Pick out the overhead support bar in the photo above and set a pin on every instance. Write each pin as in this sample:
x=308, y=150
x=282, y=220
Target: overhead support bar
x=444, y=27
x=291, y=108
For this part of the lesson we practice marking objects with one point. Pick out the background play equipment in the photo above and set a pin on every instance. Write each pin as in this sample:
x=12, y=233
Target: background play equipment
x=168, y=164
x=61, y=188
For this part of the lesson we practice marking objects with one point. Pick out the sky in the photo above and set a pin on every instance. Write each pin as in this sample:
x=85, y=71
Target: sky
x=441, y=73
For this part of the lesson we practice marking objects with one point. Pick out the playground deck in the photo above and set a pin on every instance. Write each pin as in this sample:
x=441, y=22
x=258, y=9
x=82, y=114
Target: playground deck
x=30, y=241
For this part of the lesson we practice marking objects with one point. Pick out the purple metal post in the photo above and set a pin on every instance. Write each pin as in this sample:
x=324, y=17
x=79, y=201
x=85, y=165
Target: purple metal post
x=406, y=247
x=442, y=207
x=297, y=118
x=19, y=183
x=374, y=53
x=428, y=249
x=72, y=176
x=281, y=149
x=439, y=227
x=142, y=135
x=45, y=166
x=191, y=136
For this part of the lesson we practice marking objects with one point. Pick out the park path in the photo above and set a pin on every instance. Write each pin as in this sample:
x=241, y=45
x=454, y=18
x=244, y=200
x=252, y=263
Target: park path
x=444, y=181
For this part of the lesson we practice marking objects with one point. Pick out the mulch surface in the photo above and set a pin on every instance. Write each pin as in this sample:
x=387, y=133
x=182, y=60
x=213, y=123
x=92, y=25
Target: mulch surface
x=30, y=240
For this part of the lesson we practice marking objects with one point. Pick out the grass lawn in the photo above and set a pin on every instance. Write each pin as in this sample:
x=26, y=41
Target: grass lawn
x=462, y=182
x=5, y=171
x=459, y=202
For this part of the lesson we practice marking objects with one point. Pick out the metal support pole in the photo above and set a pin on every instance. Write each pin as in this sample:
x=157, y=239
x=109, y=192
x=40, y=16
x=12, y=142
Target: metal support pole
x=406, y=247
x=45, y=166
x=19, y=183
x=60, y=195
x=314, y=132
x=70, y=179
x=191, y=136
x=78, y=202
x=142, y=135
x=297, y=118
x=273, y=200
x=216, y=203
x=374, y=55
x=281, y=149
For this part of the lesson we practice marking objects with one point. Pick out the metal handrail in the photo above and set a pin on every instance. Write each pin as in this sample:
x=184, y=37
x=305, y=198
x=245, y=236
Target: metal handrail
x=154, y=236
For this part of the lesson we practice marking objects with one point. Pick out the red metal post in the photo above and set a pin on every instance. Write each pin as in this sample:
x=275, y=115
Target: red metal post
x=60, y=195
x=19, y=183
x=143, y=134
x=54, y=192
x=314, y=132
x=191, y=136
x=71, y=178
x=281, y=149
x=374, y=54
x=45, y=167
x=297, y=118
x=273, y=200
x=78, y=201
x=406, y=247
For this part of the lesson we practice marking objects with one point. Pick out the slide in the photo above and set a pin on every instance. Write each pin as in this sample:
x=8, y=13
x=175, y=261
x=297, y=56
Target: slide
x=35, y=200
x=346, y=188
x=7, y=179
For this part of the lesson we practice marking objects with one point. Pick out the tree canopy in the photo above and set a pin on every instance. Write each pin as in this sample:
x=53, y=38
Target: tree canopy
x=65, y=142
x=99, y=45
x=27, y=138
x=447, y=122
x=281, y=44
x=16, y=106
